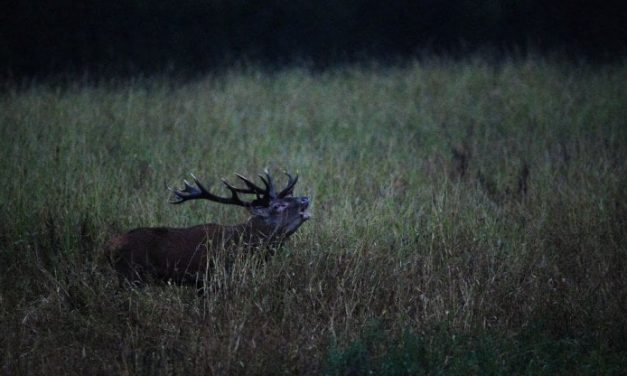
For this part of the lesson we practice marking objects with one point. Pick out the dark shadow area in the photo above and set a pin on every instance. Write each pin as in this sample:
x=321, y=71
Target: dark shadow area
x=63, y=37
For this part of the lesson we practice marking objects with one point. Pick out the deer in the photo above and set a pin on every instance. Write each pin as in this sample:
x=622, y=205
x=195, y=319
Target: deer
x=184, y=255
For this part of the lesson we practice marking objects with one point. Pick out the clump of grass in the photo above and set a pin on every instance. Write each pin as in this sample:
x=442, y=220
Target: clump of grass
x=440, y=351
x=486, y=198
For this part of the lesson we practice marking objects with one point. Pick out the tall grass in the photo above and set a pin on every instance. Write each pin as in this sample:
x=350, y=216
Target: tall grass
x=458, y=207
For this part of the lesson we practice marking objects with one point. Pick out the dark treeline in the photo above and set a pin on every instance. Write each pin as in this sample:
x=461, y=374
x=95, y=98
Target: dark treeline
x=124, y=37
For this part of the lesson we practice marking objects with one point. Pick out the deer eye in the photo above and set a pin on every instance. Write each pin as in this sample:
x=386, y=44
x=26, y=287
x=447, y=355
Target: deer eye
x=279, y=206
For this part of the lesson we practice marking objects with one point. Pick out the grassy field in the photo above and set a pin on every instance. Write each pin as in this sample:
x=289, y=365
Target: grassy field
x=469, y=217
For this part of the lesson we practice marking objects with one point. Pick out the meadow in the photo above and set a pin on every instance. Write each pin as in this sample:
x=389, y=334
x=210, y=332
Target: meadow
x=468, y=217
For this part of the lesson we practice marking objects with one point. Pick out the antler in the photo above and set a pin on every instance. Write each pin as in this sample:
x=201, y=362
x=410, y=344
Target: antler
x=263, y=196
x=191, y=192
x=269, y=185
x=252, y=187
x=291, y=182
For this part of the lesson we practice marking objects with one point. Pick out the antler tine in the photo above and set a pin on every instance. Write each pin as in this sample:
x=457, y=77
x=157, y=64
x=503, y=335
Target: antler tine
x=189, y=192
x=269, y=184
x=236, y=189
x=253, y=187
x=291, y=182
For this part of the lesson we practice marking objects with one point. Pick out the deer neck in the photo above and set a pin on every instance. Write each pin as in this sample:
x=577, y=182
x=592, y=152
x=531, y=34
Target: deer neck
x=256, y=232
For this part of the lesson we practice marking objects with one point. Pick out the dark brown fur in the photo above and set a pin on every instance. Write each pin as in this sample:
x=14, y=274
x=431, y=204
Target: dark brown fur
x=179, y=254
x=185, y=255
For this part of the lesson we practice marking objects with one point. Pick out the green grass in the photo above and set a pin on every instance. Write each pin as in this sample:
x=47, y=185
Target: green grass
x=485, y=199
x=446, y=352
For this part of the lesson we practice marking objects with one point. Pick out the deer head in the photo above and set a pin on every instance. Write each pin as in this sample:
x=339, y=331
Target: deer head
x=274, y=214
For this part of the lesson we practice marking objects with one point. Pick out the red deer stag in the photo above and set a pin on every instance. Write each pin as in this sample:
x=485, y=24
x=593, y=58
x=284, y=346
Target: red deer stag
x=183, y=254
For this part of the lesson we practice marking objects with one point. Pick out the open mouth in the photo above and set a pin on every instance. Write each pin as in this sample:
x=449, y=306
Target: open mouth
x=304, y=214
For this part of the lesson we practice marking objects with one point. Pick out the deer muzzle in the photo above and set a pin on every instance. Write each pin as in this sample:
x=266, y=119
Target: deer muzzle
x=304, y=204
